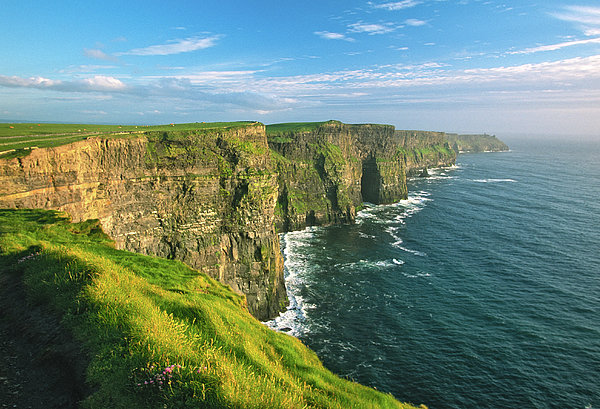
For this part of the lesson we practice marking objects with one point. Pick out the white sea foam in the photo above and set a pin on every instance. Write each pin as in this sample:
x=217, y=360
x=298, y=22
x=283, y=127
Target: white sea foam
x=417, y=275
x=415, y=252
x=293, y=320
x=365, y=264
x=494, y=180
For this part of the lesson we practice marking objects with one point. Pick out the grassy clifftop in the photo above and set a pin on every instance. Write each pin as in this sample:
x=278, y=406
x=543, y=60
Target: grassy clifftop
x=156, y=333
x=17, y=138
x=476, y=143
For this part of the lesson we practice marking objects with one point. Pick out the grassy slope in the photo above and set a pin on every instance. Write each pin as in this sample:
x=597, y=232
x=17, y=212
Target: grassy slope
x=24, y=135
x=142, y=318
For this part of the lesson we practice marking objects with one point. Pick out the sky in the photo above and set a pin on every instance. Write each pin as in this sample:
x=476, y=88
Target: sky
x=445, y=65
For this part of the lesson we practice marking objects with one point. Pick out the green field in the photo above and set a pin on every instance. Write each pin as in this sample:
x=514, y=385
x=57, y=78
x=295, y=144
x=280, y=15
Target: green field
x=24, y=136
x=156, y=333
x=280, y=129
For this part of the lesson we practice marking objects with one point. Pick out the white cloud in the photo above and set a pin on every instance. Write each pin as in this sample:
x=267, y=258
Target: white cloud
x=590, y=32
x=371, y=29
x=182, y=89
x=370, y=86
x=327, y=35
x=580, y=14
x=98, y=83
x=103, y=83
x=414, y=22
x=31, y=82
x=586, y=17
x=396, y=5
x=87, y=68
x=98, y=54
x=554, y=47
x=175, y=46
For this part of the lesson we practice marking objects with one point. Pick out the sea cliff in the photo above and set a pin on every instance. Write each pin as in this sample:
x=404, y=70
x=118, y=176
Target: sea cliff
x=476, y=143
x=327, y=170
x=215, y=198
x=205, y=197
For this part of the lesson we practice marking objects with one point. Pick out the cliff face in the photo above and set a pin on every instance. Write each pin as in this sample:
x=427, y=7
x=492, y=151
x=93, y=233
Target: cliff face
x=327, y=172
x=476, y=143
x=212, y=197
x=205, y=198
x=425, y=149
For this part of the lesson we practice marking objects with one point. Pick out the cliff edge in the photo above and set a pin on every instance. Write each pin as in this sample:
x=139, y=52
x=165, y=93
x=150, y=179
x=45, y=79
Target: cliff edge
x=205, y=197
x=476, y=143
x=326, y=170
x=215, y=197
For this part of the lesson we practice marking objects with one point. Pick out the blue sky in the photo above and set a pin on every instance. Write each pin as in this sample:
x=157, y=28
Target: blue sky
x=448, y=65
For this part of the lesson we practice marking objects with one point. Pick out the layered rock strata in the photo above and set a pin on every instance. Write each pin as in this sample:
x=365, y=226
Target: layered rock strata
x=327, y=172
x=213, y=197
x=204, y=197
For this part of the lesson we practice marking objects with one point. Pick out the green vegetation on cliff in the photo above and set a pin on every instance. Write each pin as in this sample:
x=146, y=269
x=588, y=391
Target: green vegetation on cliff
x=155, y=333
x=274, y=130
x=476, y=143
x=17, y=137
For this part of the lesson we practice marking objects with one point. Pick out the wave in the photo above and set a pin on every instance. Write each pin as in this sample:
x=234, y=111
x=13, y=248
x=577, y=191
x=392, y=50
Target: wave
x=415, y=252
x=494, y=180
x=421, y=274
x=369, y=264
x=293, y=321
x=415, y=202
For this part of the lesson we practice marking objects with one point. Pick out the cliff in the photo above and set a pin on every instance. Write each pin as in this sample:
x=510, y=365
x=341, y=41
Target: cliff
x=327, y=170
x=205, y=197
x=476, y=143
x=213, y=197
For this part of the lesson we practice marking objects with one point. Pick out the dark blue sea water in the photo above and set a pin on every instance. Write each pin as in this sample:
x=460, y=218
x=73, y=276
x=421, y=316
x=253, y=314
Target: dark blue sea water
x=482, y=290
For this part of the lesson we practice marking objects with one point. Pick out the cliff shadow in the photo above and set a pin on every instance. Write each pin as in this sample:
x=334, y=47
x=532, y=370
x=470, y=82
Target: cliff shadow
x=370, y=182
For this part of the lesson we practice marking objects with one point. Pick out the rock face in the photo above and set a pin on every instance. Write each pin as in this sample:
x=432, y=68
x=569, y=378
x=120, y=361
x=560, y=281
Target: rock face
x=213, y=197
x=205, y=198
x=476, y=143
x=327, y=172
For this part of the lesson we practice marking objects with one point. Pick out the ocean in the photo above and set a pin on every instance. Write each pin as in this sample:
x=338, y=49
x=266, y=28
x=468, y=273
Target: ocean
x=482, y=290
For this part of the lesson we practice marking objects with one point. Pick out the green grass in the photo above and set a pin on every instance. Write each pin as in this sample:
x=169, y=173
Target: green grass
x=23, y=136
x=138, y=317
x=275, y=130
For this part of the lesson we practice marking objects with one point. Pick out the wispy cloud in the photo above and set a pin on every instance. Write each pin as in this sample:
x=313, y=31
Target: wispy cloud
x=182, y=89
x=554, y=47
x=371, y=29
x=587, y=18
x=327, y=35
x=377, y=84
x=98, y=83
x=396, y=5
x=413, y=22
x=86, y=68
x=178, y=46
x=98, y=54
